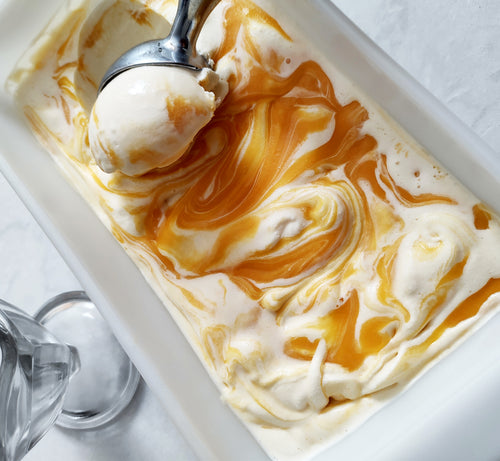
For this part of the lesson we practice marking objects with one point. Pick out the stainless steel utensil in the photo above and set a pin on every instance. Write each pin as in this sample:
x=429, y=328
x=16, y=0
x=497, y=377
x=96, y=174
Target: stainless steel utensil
x=177, y=49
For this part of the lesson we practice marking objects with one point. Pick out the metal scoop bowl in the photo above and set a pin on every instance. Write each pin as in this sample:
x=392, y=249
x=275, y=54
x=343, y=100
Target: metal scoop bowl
x=177, y=49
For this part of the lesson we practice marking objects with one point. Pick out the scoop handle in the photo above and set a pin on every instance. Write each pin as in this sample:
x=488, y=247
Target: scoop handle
x=188, y=22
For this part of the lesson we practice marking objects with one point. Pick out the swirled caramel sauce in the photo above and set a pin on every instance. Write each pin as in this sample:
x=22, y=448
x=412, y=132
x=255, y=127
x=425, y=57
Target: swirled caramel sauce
x=316, y=257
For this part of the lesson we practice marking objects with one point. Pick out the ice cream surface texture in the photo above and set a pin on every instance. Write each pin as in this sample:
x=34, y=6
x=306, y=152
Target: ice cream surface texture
x=317, y=258
x=147, y=117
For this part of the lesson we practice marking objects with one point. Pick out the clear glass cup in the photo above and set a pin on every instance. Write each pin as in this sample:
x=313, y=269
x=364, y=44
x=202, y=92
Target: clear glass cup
x=36, y=368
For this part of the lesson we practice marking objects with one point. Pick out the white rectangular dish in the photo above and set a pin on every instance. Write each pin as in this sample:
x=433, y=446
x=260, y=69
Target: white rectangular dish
x=458, y=390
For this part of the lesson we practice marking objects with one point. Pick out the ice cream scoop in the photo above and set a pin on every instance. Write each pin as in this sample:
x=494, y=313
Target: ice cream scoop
x=155, y=98
x=148, y=117
x=177, y=49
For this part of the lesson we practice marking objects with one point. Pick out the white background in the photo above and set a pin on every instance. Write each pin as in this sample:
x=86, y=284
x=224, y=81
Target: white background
x=451, y=46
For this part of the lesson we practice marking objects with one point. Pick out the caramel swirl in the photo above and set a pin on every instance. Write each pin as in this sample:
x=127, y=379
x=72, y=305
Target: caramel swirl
x=313, y=256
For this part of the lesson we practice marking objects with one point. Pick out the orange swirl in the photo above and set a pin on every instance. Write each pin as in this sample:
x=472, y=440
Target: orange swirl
x=196, y=216
x=338, y=329
x=248, y=152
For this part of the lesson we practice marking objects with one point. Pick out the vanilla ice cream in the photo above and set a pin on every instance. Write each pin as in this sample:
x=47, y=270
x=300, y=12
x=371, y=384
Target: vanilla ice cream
x=316, y=257
x=148, y=116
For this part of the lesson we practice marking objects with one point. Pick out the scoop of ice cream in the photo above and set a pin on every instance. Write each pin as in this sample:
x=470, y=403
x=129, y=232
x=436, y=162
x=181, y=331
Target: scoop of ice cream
x=147, y=117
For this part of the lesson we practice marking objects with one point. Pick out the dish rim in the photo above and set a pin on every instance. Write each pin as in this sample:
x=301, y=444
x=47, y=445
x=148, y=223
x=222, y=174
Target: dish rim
x=62, y=234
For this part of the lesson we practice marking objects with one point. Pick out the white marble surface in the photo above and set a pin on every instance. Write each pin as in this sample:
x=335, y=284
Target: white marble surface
x=451, y=47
